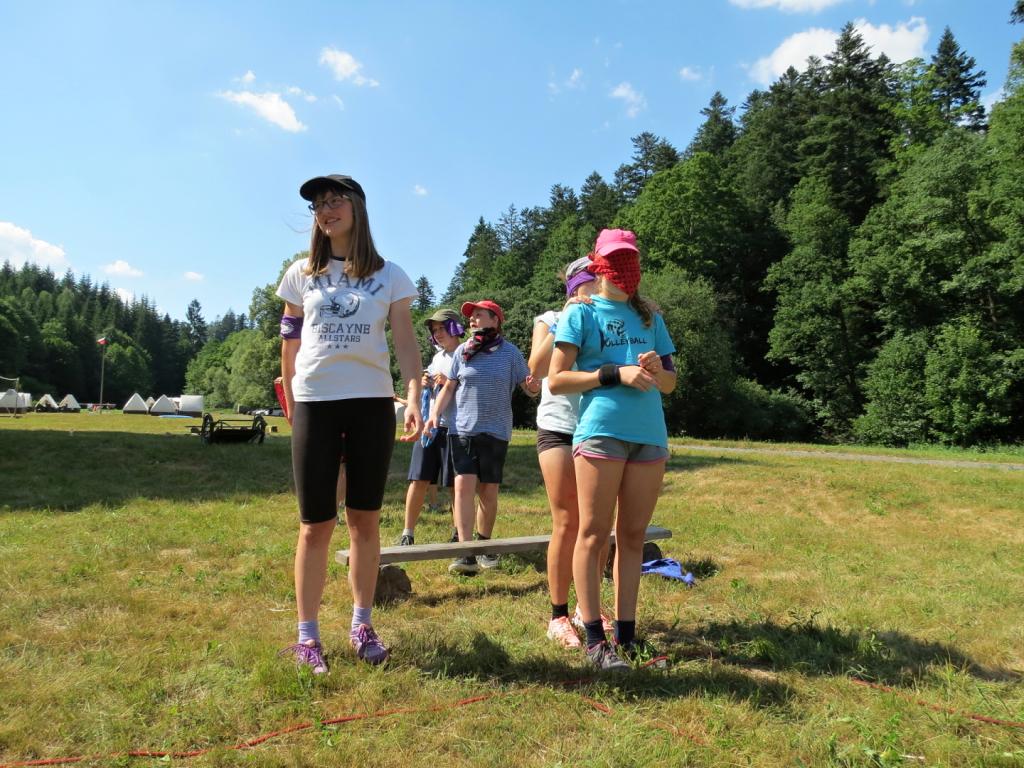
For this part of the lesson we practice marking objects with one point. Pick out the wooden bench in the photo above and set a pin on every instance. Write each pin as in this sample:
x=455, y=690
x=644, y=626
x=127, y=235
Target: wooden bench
x=441, y=550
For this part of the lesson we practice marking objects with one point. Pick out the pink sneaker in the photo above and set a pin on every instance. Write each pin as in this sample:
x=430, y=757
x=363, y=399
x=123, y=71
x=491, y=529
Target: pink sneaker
x=368, y=646
x=606, y=623
x=309, y=654
x=561, y=631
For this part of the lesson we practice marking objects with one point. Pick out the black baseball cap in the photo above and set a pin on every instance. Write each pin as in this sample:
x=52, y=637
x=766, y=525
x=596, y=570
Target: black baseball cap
x=314, y=186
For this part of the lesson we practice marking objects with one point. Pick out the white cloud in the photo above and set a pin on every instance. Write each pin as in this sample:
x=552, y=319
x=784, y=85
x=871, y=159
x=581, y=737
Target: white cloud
x=18, y=247
x=690, y=74
x=634, y=100
x=572, y=82
x=122, y=268
x=989, y=100
x=294, y=90
x=270, y=106
x=788, y=6
x=900, y=42
x=419, y=190
x=339, y=102
x=345, y=67
x=126, y=296
x=194, y=277
x=248, y=77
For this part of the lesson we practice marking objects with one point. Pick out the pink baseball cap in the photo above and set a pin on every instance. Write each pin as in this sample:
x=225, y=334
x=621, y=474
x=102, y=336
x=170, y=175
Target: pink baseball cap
x=615, y=240
x=469, y=306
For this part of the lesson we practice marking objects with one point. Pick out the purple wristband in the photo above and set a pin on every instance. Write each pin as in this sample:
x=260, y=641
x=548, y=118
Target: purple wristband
x=667, y=364
x=291, y=327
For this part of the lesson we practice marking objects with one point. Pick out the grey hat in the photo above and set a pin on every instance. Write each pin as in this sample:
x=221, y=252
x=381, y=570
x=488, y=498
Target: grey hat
x=441, y=315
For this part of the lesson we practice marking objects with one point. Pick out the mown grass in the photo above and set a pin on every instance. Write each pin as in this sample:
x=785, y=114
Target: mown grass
x=146, y=585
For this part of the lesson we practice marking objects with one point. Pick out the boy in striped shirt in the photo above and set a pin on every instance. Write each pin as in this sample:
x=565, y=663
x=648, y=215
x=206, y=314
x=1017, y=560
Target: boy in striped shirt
x=485, y=371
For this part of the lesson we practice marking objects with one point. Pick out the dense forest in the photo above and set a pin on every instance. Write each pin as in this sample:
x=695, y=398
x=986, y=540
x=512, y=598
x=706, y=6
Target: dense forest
x=843, y=259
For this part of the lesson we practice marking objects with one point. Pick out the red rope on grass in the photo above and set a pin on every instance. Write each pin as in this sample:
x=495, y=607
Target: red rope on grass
x=935, y=707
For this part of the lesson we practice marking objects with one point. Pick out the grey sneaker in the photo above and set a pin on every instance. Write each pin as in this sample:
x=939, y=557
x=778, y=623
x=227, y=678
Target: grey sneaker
x=604, y=657
x=406, y=540
x=489, y=561
x=466, y=566
x=368, y=646
x=309, y=654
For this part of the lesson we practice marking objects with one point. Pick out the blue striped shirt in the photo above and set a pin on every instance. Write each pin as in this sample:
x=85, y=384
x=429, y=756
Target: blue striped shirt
x=486, y=384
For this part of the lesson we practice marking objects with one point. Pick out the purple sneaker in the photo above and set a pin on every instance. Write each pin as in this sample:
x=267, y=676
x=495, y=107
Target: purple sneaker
x=368, y=646
x=308, y=655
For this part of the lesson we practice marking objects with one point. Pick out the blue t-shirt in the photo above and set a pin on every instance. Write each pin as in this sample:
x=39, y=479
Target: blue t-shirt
x=612, y=332
x=487, y=382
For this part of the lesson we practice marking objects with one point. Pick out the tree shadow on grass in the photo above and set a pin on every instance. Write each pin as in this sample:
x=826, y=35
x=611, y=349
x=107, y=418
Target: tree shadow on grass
x=893, y=658
x=484, y=659
x=66, y=471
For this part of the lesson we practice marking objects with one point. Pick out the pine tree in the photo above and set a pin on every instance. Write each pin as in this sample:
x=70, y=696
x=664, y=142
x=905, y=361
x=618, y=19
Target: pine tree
x=196, y=325
x=955, y=86
x=718, y=132
x=598, y=202
x=424, y=294
x=650, y=155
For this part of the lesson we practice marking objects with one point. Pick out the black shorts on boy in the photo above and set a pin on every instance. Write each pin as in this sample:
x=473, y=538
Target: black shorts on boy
x=480, y=455
x=433, y=463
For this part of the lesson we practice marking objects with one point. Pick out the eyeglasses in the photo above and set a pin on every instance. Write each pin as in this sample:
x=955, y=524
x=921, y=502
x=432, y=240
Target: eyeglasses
x=330, y=203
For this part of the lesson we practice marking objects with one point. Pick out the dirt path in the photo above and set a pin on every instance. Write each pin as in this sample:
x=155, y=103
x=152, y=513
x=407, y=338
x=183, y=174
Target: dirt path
x=857, y=457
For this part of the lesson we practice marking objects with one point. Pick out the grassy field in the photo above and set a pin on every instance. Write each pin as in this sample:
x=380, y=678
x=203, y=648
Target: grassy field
x=146, y=589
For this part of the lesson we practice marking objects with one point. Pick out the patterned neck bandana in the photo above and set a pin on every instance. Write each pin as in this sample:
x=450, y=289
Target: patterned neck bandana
x=482, y=340
x=622, y=268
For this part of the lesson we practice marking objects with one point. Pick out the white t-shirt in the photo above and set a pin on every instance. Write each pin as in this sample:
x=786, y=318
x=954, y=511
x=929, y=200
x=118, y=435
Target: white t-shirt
x=344, y=350
x=556, y=413
x=442, y=363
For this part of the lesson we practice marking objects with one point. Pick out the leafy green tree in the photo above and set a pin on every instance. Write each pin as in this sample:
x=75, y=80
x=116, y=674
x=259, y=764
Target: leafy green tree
x=968, y=385
x=920, y=256
x=896, y=411
x=127, y=369
x=819, y=329
x=252, y=367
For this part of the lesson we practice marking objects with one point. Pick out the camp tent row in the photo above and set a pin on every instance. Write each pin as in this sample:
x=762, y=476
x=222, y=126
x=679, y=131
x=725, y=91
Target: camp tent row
x=13, y=401
x=186, y=405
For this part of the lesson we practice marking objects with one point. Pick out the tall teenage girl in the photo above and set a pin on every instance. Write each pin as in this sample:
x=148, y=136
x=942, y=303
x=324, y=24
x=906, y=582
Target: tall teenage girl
x=622, y=352
x=335, y=368
x=557, y=416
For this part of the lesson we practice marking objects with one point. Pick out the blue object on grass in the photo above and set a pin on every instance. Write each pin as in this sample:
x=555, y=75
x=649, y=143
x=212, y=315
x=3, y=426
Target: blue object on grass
x=670, y=569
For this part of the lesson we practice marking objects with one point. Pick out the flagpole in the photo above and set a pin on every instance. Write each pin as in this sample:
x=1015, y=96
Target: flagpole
x=103, y=361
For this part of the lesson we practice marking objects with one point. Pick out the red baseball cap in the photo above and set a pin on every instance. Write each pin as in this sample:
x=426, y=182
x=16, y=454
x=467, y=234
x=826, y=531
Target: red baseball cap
x=469, y=306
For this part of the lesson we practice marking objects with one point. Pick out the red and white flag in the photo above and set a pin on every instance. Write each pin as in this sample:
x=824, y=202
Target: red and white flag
x=102, y=341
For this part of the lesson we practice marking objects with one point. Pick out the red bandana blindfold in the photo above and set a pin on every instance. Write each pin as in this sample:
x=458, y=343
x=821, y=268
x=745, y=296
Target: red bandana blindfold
x=622, y=268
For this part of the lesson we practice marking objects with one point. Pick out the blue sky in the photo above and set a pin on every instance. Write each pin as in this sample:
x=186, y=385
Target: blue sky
x=159, y=146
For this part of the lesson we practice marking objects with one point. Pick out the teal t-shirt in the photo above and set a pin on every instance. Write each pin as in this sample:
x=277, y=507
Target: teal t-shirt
x=609, y=331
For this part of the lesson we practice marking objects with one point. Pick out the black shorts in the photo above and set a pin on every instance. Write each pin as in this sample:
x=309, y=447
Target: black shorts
x=361, y=429
x=434, y=462
x=547, y=438
x=480, y=455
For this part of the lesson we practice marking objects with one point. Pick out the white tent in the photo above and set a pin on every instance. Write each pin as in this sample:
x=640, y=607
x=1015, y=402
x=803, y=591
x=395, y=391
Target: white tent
x=24, y=402
x=47, y=404
x=135, y=404
x=150, y=401
x=399, y=413
x=162, y=407
x=70, y=404
x=9, y=401
x=190, y=405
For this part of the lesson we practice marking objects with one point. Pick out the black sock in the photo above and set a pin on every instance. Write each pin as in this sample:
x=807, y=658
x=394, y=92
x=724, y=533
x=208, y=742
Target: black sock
x=595, y=632
x=560, y=611
x=625, y=631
